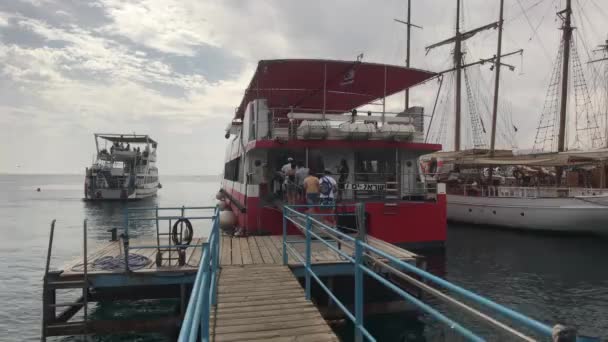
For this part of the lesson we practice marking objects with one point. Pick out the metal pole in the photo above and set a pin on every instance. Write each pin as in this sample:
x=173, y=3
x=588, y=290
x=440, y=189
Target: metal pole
x=384, y=98
x=125, y=240
x=567, y=36
x=458, y=67
x=428, y=130
x=496, y=82
x=157, y=231
x=285, y=256
x=205, y=301
x=48, y=253
x=308, y=267
x=358, y=292
x=407, y=58
x=85, y=288
x=324, y=88
x=215, y=255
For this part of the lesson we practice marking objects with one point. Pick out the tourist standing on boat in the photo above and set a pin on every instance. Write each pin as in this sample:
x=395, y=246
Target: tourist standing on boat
x=290, y=182
x=301, y=174
x=327, y=188
x=311, y=189
x=343, y=171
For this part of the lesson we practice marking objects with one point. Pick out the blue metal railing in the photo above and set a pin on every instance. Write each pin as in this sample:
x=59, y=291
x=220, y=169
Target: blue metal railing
x=195, y=325
x=362, y=252
x=138, y=214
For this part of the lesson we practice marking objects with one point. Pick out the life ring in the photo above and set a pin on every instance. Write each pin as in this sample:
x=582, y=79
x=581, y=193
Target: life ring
x=183, y=236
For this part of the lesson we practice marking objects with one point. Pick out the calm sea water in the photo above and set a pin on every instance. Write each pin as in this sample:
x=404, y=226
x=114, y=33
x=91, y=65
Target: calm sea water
x=551, y=278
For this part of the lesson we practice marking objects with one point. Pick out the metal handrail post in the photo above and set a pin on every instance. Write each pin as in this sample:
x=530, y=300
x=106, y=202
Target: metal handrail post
x=308, y=267
x=48, y=253
x=358, y=291
x=85, y=288
x=157, y=230
x=205, y=301
x=125, y=240
x=285, y=256
x=215, y=258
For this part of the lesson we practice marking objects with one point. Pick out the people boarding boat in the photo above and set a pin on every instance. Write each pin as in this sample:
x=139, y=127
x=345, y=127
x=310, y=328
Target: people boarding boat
x=311, y=114
x=124, y=168
x=524, y=191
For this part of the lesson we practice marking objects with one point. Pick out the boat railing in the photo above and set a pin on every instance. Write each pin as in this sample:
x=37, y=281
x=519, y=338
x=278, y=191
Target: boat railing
x=179, y=232
x=362, y=186
x=339, y=125
x=376, y=264
x=529, y=191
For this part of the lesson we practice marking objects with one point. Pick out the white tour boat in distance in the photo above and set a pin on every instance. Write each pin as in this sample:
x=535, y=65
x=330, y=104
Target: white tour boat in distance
x=124, y=168
x=524, y=194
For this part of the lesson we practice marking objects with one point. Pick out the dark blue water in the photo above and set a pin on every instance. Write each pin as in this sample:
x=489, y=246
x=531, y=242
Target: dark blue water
x=551, y=278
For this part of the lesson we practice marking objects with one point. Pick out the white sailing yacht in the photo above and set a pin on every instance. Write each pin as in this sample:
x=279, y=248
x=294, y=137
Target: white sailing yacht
x=558, y=191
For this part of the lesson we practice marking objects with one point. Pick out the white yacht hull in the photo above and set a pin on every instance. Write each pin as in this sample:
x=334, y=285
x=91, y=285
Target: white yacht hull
x=584, y=214
x=118, y=194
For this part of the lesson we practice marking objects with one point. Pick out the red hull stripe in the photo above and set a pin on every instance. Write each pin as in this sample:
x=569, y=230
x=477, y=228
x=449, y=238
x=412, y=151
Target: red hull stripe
x=408, y=222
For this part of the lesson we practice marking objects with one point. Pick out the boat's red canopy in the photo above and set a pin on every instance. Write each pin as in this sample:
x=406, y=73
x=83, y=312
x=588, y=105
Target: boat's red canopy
x=308, y=84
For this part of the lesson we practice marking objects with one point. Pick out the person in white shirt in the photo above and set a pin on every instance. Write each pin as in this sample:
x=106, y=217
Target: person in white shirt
x=284, y=170
x=327, y=188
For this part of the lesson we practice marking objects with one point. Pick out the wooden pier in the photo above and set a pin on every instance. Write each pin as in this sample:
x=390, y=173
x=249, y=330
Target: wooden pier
x=264, y=302
x=258, y=298
x=256, y=250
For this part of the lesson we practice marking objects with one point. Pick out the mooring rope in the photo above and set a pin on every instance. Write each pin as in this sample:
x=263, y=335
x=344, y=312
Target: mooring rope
x=113, y=263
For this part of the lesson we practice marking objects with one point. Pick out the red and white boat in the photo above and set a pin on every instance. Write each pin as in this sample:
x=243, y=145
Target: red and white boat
x=315, y=111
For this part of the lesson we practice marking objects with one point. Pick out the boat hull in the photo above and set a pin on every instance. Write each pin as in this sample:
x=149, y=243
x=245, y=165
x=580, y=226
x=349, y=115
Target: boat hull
x=568, y=215
x=411, y=224
x=121, y=194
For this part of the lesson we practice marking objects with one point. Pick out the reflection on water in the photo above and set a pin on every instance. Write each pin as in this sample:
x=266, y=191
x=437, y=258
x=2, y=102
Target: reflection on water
x=553, y=279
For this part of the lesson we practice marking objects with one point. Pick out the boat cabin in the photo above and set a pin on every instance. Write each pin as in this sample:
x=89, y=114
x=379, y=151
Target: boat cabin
x=124, y=167
x=323, y=114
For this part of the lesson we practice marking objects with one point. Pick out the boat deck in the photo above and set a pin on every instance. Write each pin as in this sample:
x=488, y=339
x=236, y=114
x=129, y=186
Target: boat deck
x=264, y=302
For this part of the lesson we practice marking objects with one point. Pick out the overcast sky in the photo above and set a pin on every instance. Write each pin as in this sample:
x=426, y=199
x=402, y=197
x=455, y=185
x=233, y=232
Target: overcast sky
x=175, y=69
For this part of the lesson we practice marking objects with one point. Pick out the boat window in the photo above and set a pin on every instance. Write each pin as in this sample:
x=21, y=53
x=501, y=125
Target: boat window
x=231, y=169
x=375, y=166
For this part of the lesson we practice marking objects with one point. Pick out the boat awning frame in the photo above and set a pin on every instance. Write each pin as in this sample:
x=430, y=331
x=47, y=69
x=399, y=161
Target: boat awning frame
x=325, y=86
x=126, y=138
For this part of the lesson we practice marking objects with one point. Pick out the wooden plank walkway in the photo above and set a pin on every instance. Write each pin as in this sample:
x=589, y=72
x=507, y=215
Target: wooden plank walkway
x=258, y=302
x=265, y=250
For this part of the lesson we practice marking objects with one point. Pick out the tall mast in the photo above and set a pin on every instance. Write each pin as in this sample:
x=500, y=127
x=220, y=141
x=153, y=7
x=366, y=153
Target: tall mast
x=567, y=37
x=458, y=67
x=407, y=57
x=496, y=80
x=604, y=48
x=458, y=38
x=409, y=25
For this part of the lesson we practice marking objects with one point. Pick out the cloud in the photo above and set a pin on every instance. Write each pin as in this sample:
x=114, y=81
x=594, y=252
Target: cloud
x=3, y=19
x=182, y=65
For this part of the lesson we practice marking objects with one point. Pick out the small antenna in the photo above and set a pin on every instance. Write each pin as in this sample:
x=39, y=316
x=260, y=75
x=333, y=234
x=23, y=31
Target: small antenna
x=360, y=57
